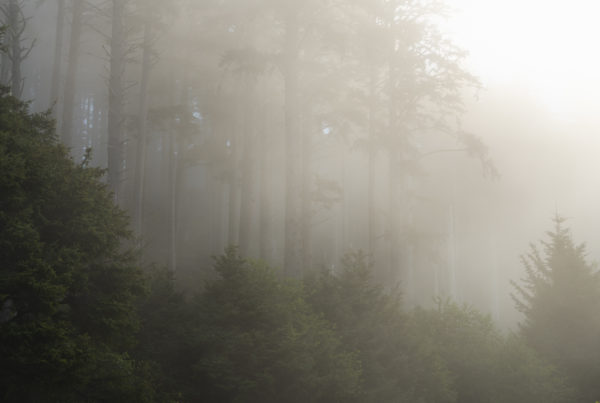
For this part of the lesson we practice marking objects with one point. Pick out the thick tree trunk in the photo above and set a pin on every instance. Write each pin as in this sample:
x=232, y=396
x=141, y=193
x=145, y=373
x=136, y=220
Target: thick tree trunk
x=57, y=64
x=70, y=81
x=115, y=98
x=293, y=146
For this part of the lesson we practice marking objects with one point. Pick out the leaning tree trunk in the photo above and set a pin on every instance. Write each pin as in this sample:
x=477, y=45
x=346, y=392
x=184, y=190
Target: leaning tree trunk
x=115, y=149
x=72, y=64
x=58, y=45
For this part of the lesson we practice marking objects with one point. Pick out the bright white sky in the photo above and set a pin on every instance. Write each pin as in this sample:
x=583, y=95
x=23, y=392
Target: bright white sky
x=549, y=52
x=550, y=47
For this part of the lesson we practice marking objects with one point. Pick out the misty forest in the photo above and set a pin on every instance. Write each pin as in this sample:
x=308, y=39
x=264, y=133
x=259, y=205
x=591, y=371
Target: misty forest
x=299, y=201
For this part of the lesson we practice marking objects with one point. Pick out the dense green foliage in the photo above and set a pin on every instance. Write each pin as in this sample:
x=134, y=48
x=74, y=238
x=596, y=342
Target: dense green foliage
x=560, y=299
x=396, y=366
x=67, y=288
x=484, y=365
x=81, y=322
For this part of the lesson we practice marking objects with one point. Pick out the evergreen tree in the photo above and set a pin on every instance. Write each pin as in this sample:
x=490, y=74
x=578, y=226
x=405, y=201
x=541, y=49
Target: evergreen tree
x=396, y=367
x=68, y=289
x=257, y=340
x=560, y=299
x=484, y=365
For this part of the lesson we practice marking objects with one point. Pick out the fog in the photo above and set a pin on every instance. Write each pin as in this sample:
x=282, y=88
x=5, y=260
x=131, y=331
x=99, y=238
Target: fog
x=241, y=99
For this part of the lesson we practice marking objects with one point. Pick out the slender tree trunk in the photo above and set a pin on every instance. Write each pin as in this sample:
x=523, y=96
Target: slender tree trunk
x=394, y=257
x=115, y=98
x=15, y=31
x=306, y=222
x=371, y=174
x=265, y=153
x=70, y=81
x=177, y=147
x=293, y=187
x=247, y=174
x=174, y=177
x=140, y=171
x=58, y=45
x=234, y=180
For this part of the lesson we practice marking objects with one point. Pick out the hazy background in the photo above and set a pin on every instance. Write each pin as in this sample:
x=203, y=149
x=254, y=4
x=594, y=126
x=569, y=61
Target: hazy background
x=536, y=112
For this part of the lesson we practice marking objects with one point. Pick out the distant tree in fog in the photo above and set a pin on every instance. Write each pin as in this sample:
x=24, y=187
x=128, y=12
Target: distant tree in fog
x=18, y=46
x=560, y=300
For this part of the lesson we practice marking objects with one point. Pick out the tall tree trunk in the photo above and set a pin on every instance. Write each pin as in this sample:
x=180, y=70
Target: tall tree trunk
x=371, y=169
x=174, y=178
x=70, y=81
x=115, y=98
x=247, y=173
x=58, y=45
x=306, y=221
x=293, y=163
x=234, y=139
x=140, y=171
x=177, y=146
x=393, y=219
x=264, y=200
